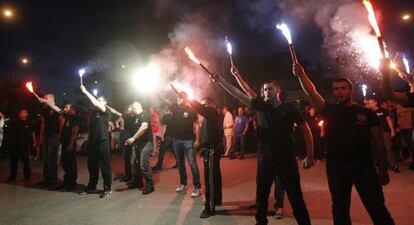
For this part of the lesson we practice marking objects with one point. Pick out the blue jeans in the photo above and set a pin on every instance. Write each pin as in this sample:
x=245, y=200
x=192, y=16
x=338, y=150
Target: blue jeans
x=141, y=163
x=239, y=141
x=181, y=148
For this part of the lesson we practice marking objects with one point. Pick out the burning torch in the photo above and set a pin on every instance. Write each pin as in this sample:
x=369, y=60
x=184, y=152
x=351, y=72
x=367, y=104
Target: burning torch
x=230, y=51
x=191, y=55
x=81, y=73
x=406, y=64
x=374, y=24
x=29, y=87
x=286, y=32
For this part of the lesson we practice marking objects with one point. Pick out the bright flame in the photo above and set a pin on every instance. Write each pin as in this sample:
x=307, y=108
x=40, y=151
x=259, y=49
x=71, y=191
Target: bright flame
x=229, y=48
x=7, y=13
x=29, y=86
x=81, y=72
x=184, y=87
x=369, y=49
x=191, y=55
x=406, y=17
x=364, y=88
x=147, y=79
x=393, y=65
x=407, y=65
x=321, y=123
x=95, y=92
x=285, y=31
x=371, y=17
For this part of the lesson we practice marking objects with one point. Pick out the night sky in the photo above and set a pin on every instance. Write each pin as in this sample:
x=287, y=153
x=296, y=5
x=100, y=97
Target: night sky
x=59, y=37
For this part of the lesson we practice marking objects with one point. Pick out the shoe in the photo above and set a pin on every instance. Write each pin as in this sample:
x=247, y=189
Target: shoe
x=26, y=179
x=107, y=191
x=196, y=193
x=181, y=188
x=148, y=191
x=205, y=214
x=135, y=186
x=11, y=179
x=88, y=190
x=278, y=213
x=232, y=157
x=60, y=187
x=125, y=179
x=395, y=169
x=175, y=166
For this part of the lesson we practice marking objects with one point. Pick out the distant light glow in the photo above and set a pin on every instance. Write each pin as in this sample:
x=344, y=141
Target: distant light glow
x=123, y=66
x=25, y=60
x=29, y=86
x=147, y=80
x=81, y=72
x=407, y=65
x=364, y=88
x=8, y=13
x=95, y=92
x=406, y=17
x=285, y=31
x=321, y=123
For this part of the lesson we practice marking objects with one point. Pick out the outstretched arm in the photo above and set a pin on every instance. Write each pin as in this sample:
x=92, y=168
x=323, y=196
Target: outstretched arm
x=308, y=87
x=114, y=111
x=51, y=104
x=235, y=92
x=243, y=84
x=92, y=98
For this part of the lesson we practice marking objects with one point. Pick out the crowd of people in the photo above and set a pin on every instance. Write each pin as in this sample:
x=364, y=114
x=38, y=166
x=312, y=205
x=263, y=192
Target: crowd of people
x=359, y=142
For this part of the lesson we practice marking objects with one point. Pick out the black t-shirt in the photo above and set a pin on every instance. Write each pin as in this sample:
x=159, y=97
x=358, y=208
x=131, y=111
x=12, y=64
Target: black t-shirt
x=183, y=121
x=71, y=121
x=348, y=132
x=129, y=125
x=212, y=126
x=382, y=116
x=51, y=121
x=167, y=121
x=147, y=136
x=22, y=131
x=275, y=127
x=99, y=125
x=410, y=97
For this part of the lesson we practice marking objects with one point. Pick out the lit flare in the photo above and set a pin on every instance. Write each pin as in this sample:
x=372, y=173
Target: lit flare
x=191, y=55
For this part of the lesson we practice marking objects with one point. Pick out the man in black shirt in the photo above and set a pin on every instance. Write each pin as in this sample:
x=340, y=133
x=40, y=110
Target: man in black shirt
x=98, y=146
x=349, y=130
x=70, y=131
x=276, y=152
x=387, y=130
x=166, y=137
x=23, y=138
x=129, y=119
x=184, y=132
x=211, y=148
x=50, y=130
x=141, y=140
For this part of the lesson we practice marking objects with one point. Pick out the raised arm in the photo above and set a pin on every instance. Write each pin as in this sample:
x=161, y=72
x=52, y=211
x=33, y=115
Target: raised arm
x=308, y=87
x=92, y=98
x=243, y=84
x=387, y=91
x=235, y=92
x=51, y=104
x=114, y=111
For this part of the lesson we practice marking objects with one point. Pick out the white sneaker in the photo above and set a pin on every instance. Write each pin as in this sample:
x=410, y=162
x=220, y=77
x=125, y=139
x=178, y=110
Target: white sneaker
x=196, y=193
x=279, y=213
x=181, y=188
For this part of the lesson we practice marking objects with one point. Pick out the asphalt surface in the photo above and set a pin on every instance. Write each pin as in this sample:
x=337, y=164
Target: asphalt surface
x=24, y=203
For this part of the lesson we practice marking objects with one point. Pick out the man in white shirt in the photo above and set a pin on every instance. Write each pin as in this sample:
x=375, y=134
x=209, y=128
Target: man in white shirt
x=228, y=129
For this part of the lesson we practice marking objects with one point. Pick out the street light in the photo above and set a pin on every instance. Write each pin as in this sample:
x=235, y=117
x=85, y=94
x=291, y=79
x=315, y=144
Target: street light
x=24, y=60
x=406, y=17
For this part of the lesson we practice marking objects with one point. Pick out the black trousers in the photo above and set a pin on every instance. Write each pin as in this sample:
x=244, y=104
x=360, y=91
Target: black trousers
x=217, y=183
x=99, y=158
x=22, y=152
x=69, y=165
x=127, y=154
x=341, y=177
x=165, y=145
x=287, y=170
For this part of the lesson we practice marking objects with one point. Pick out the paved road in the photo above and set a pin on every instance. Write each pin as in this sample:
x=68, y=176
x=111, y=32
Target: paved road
x=24, y=203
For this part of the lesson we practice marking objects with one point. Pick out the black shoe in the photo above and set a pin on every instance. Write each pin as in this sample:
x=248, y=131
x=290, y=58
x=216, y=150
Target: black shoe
x=43, y=183
x=232, y=157
x=205, y=214
x=175, y=166
x=148, y=191
x=135, y=186
x=87, y=190
x=125, y=179
x=105, y=193
x=11, y=179
x=26, y=179
x=60, y=187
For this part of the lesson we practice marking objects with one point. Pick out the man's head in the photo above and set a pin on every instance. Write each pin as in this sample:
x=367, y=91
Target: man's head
x=225, y=109
x=102, y=100
x=182, y=98
x=69, y=109
x=240, y=111
x=342, y=89
x=136, y=107
x=372, y=103
x=23, y=114
x=311, y=110
x=208, y=102
x=271, y=91
x=151, y=110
